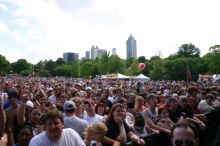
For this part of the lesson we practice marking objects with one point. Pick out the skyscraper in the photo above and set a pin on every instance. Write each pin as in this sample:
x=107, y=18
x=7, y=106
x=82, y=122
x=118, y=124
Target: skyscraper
x=114, y=52
x=101, y=52
x=69, y=57
x=131, y=47
x=87, y=55
x=94, y=52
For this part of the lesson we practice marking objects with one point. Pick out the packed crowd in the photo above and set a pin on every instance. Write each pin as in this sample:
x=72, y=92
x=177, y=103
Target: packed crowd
x=79, y=112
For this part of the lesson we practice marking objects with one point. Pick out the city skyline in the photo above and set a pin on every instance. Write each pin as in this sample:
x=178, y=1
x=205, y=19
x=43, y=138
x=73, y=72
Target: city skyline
x=45, y=29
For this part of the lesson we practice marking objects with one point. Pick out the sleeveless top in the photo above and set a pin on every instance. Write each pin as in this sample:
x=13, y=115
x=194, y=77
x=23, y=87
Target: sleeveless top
x=152, y=115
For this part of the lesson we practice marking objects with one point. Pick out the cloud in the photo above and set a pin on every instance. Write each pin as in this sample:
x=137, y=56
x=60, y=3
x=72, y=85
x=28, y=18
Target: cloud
x=3, y=27
x=75, y=25
x=3, y=8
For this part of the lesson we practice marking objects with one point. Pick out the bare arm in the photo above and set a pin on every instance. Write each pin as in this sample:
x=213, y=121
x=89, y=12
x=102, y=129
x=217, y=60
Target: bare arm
x=150, y=123
x=110, y=141
x=2, y=119
x=122, y=137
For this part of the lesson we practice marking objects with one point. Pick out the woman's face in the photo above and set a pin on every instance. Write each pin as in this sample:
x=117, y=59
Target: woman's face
x=119, y=112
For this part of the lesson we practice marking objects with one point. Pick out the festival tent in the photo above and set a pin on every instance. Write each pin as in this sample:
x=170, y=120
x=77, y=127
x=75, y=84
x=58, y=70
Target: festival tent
x=121, y=76
x=142, y=77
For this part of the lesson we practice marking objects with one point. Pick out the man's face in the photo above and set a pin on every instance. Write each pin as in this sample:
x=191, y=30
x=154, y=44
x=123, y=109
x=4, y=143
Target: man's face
x=35, y=116
x=54, y=128
x=89, y=107
x=184, y=137
x=183, y=103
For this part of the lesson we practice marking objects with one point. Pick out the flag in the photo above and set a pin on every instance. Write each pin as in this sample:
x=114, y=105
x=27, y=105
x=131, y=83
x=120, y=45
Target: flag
x=188, y=72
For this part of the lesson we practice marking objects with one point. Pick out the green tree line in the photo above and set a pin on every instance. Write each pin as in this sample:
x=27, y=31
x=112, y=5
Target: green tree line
x=171, y=68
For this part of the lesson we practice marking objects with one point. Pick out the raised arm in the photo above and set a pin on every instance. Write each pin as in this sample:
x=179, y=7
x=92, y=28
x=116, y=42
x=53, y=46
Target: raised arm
x=2, y=119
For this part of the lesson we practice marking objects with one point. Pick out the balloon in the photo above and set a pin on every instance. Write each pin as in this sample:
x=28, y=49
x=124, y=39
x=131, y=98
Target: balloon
x=142, y=66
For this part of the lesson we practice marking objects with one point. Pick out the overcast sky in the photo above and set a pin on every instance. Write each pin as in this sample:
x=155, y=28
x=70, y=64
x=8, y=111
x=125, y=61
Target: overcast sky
x=45, y=29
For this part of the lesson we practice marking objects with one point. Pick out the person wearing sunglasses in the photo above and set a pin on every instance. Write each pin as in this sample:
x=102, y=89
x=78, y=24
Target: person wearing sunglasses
x=184, y=134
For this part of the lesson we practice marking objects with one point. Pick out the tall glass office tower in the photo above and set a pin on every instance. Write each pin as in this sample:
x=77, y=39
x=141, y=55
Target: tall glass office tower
x=131, y=47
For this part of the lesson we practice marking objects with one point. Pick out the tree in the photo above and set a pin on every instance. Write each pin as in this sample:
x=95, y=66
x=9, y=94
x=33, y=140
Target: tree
x=75, y=69
x=142, y=59
x=5, y=65
x=133, y=70
x=158, y=70
x=188, y=50
x=50, y=66
x=213, y=59
x=60, y=61
x=21, y=65
x=62, y=70
x=115, y=64
x=87, y=68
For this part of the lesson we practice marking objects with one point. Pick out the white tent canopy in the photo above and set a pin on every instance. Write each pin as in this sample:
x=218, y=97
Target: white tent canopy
x=121, y=76
x=141, y=77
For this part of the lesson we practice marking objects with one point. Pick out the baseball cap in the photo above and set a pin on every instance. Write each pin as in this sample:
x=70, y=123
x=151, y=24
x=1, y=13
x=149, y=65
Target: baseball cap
x=30, y=104
x=151, y=96
x=183, y=97
x=69, y=105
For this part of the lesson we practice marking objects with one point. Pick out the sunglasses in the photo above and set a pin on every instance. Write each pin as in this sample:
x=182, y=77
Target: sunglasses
x=188, y=142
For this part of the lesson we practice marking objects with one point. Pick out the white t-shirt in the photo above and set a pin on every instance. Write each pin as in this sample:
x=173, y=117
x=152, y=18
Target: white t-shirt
x=94, y=119
x=52, y=99
x=204, y=107
x=69, y=138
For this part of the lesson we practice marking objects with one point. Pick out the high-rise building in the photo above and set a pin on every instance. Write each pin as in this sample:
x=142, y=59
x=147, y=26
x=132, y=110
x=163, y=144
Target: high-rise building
x=69, y=57
x=114, y=52
x=76, y=56
x=101, y=52
x=87, y=55
x=94, y=52
x=131, y=47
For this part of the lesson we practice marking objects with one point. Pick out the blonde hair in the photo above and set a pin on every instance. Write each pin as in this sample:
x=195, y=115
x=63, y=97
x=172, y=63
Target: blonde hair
x=77, y=99
x=98, y=127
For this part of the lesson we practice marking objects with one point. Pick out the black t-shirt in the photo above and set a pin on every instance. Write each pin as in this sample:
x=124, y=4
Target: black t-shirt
x=187, y=111
x=113, y=129
x=174, y=116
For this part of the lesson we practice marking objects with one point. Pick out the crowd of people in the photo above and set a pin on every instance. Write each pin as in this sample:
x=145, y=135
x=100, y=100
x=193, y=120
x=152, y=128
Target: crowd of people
x=59, y=111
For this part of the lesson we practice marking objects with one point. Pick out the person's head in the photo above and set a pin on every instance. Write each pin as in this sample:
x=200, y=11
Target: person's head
x=13, y=97
x=62, y=98
x=163, y=113
x=192, y=90
x=209, y=98
x=100, y=109
x=184, y=134
x=139, y=122
x=183, y=102
x=54, y=125
x=139, y=101
x=96, y=132
x=69, y=107
x=117, y=110
x=162, y=98
x=89, y=106
x=104, y=93
x=172, y=103
x=131, y=97
x=123, y=101
x=152, y=100
x=24, y=136
x=35, y=115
